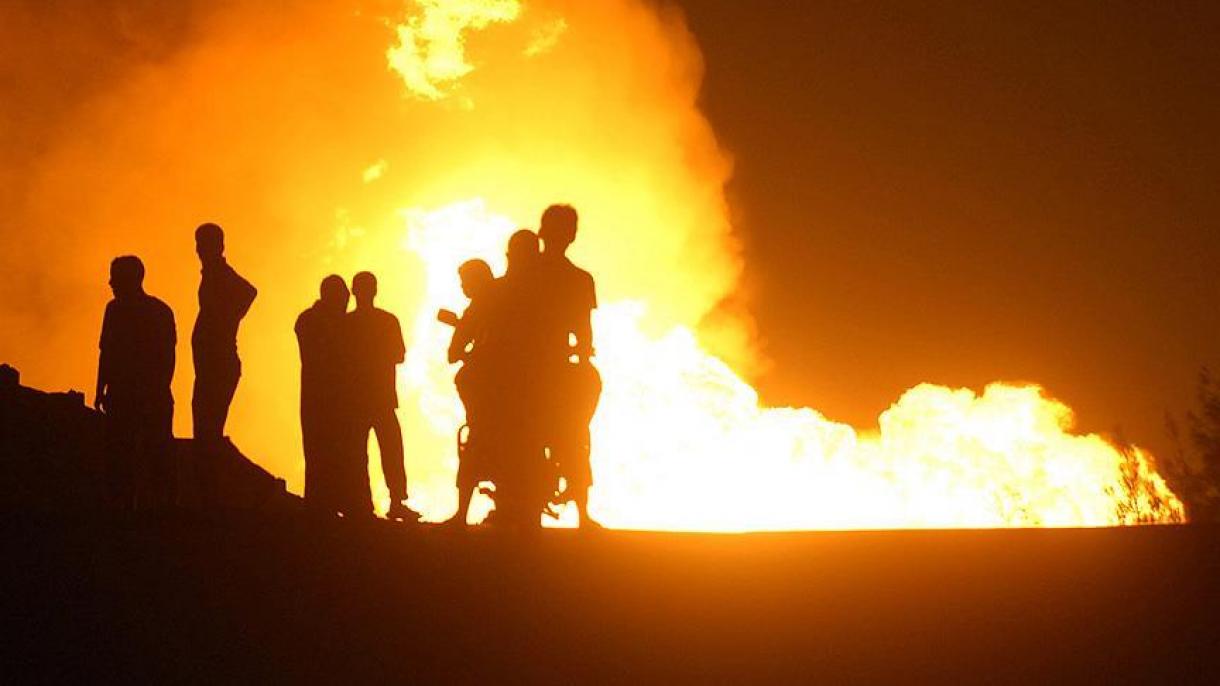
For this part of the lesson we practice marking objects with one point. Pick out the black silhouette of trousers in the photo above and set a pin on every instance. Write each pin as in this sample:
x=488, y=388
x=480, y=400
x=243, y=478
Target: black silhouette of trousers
x=336, y=479
x=215, y=383
x=384, y=424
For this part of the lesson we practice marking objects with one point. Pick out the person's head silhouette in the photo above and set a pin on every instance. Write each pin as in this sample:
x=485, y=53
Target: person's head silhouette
x=476, y=278
x=126, y=277
x=209, y=242
x=333, y=293
x=364, y=288
x=558, y=228
x=522, y=249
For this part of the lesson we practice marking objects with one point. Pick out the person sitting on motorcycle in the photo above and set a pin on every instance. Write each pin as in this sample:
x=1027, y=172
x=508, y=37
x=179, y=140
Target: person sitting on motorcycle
x=469, y=334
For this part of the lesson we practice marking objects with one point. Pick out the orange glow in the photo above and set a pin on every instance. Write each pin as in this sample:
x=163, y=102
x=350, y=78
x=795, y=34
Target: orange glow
x=334, y=139
x=681, y=442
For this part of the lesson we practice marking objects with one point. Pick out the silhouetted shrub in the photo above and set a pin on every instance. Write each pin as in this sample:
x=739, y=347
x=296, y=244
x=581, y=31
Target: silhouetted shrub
x=1193, y=470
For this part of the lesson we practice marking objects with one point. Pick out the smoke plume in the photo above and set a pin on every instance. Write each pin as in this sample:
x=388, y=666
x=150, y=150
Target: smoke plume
x=304, y=129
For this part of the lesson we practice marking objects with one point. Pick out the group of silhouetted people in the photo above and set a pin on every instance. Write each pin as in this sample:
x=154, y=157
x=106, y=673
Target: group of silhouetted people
x=348, y=388
x=136, y=365
x=527, y=383
x=524, y=342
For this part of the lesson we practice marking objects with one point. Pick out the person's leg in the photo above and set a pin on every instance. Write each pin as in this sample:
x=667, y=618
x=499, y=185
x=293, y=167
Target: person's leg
x=389, y=444
x=205, y=434
x=215, y=384
x=203, y=423
x=323, y=447
x=226, y=388
x=351, y=464
x=578, y=473
x=315, y=488
x=466, y=483
x=465, y=495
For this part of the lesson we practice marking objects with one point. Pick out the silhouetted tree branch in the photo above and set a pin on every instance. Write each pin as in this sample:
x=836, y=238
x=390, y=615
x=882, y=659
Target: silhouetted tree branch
x=1193, y=470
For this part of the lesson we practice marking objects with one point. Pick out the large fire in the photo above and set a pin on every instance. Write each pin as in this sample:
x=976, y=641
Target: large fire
x=681, y=441
x=406, y=136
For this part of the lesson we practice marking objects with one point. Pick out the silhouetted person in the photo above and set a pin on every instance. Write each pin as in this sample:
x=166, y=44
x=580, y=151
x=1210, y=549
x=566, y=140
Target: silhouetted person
x=516, y=419
x=377, y=349
x=334, y=479
x=469, y=346
x=224, y=299
x=134, y=371
x=570, y=298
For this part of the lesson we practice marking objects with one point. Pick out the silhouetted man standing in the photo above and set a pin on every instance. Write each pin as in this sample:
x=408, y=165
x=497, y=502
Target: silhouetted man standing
x=377, y=350
x=134, y=371
x=571, y=299
x=333, y=476
x=224, y=299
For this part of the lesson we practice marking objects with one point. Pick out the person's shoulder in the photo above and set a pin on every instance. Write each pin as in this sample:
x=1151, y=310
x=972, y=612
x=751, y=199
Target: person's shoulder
x=385, y=315
x=576, y=278
x=582, y=274
x=307, y=319
x=229, y=275
x=477, y=304
x=571, y=270
x=158, y=305
x=160, y=313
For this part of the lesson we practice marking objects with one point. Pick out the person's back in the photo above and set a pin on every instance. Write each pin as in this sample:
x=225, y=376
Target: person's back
x=570, y=297
x=515, y=414
x=325, y=415
x=377, y=349
x=377, y=346
x=319, y=337
x=138, y=334
x=135, y=367
x=517, y=332
x=573, y=383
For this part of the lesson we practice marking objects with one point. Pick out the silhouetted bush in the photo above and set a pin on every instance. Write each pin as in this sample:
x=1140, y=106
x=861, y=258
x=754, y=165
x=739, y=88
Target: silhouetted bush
x=1193, y=470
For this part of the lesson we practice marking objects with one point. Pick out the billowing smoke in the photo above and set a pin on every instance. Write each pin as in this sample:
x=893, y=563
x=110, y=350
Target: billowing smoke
x=300, y=128
x=404, y=136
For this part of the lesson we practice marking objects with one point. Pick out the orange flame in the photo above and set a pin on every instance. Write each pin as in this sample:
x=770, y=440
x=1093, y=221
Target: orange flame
x=681, y=441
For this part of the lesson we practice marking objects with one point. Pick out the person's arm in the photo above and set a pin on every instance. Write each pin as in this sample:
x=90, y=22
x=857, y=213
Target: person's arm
x=584, y=335
x=459, y=341
x=583, y=327
x=400, y=349
x=103, y=365
x=103, y=380
x=243, y=294
x=168, y=349
x=300, y=329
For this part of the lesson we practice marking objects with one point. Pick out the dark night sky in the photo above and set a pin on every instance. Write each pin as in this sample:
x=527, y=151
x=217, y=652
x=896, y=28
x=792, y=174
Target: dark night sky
x=963, y=192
